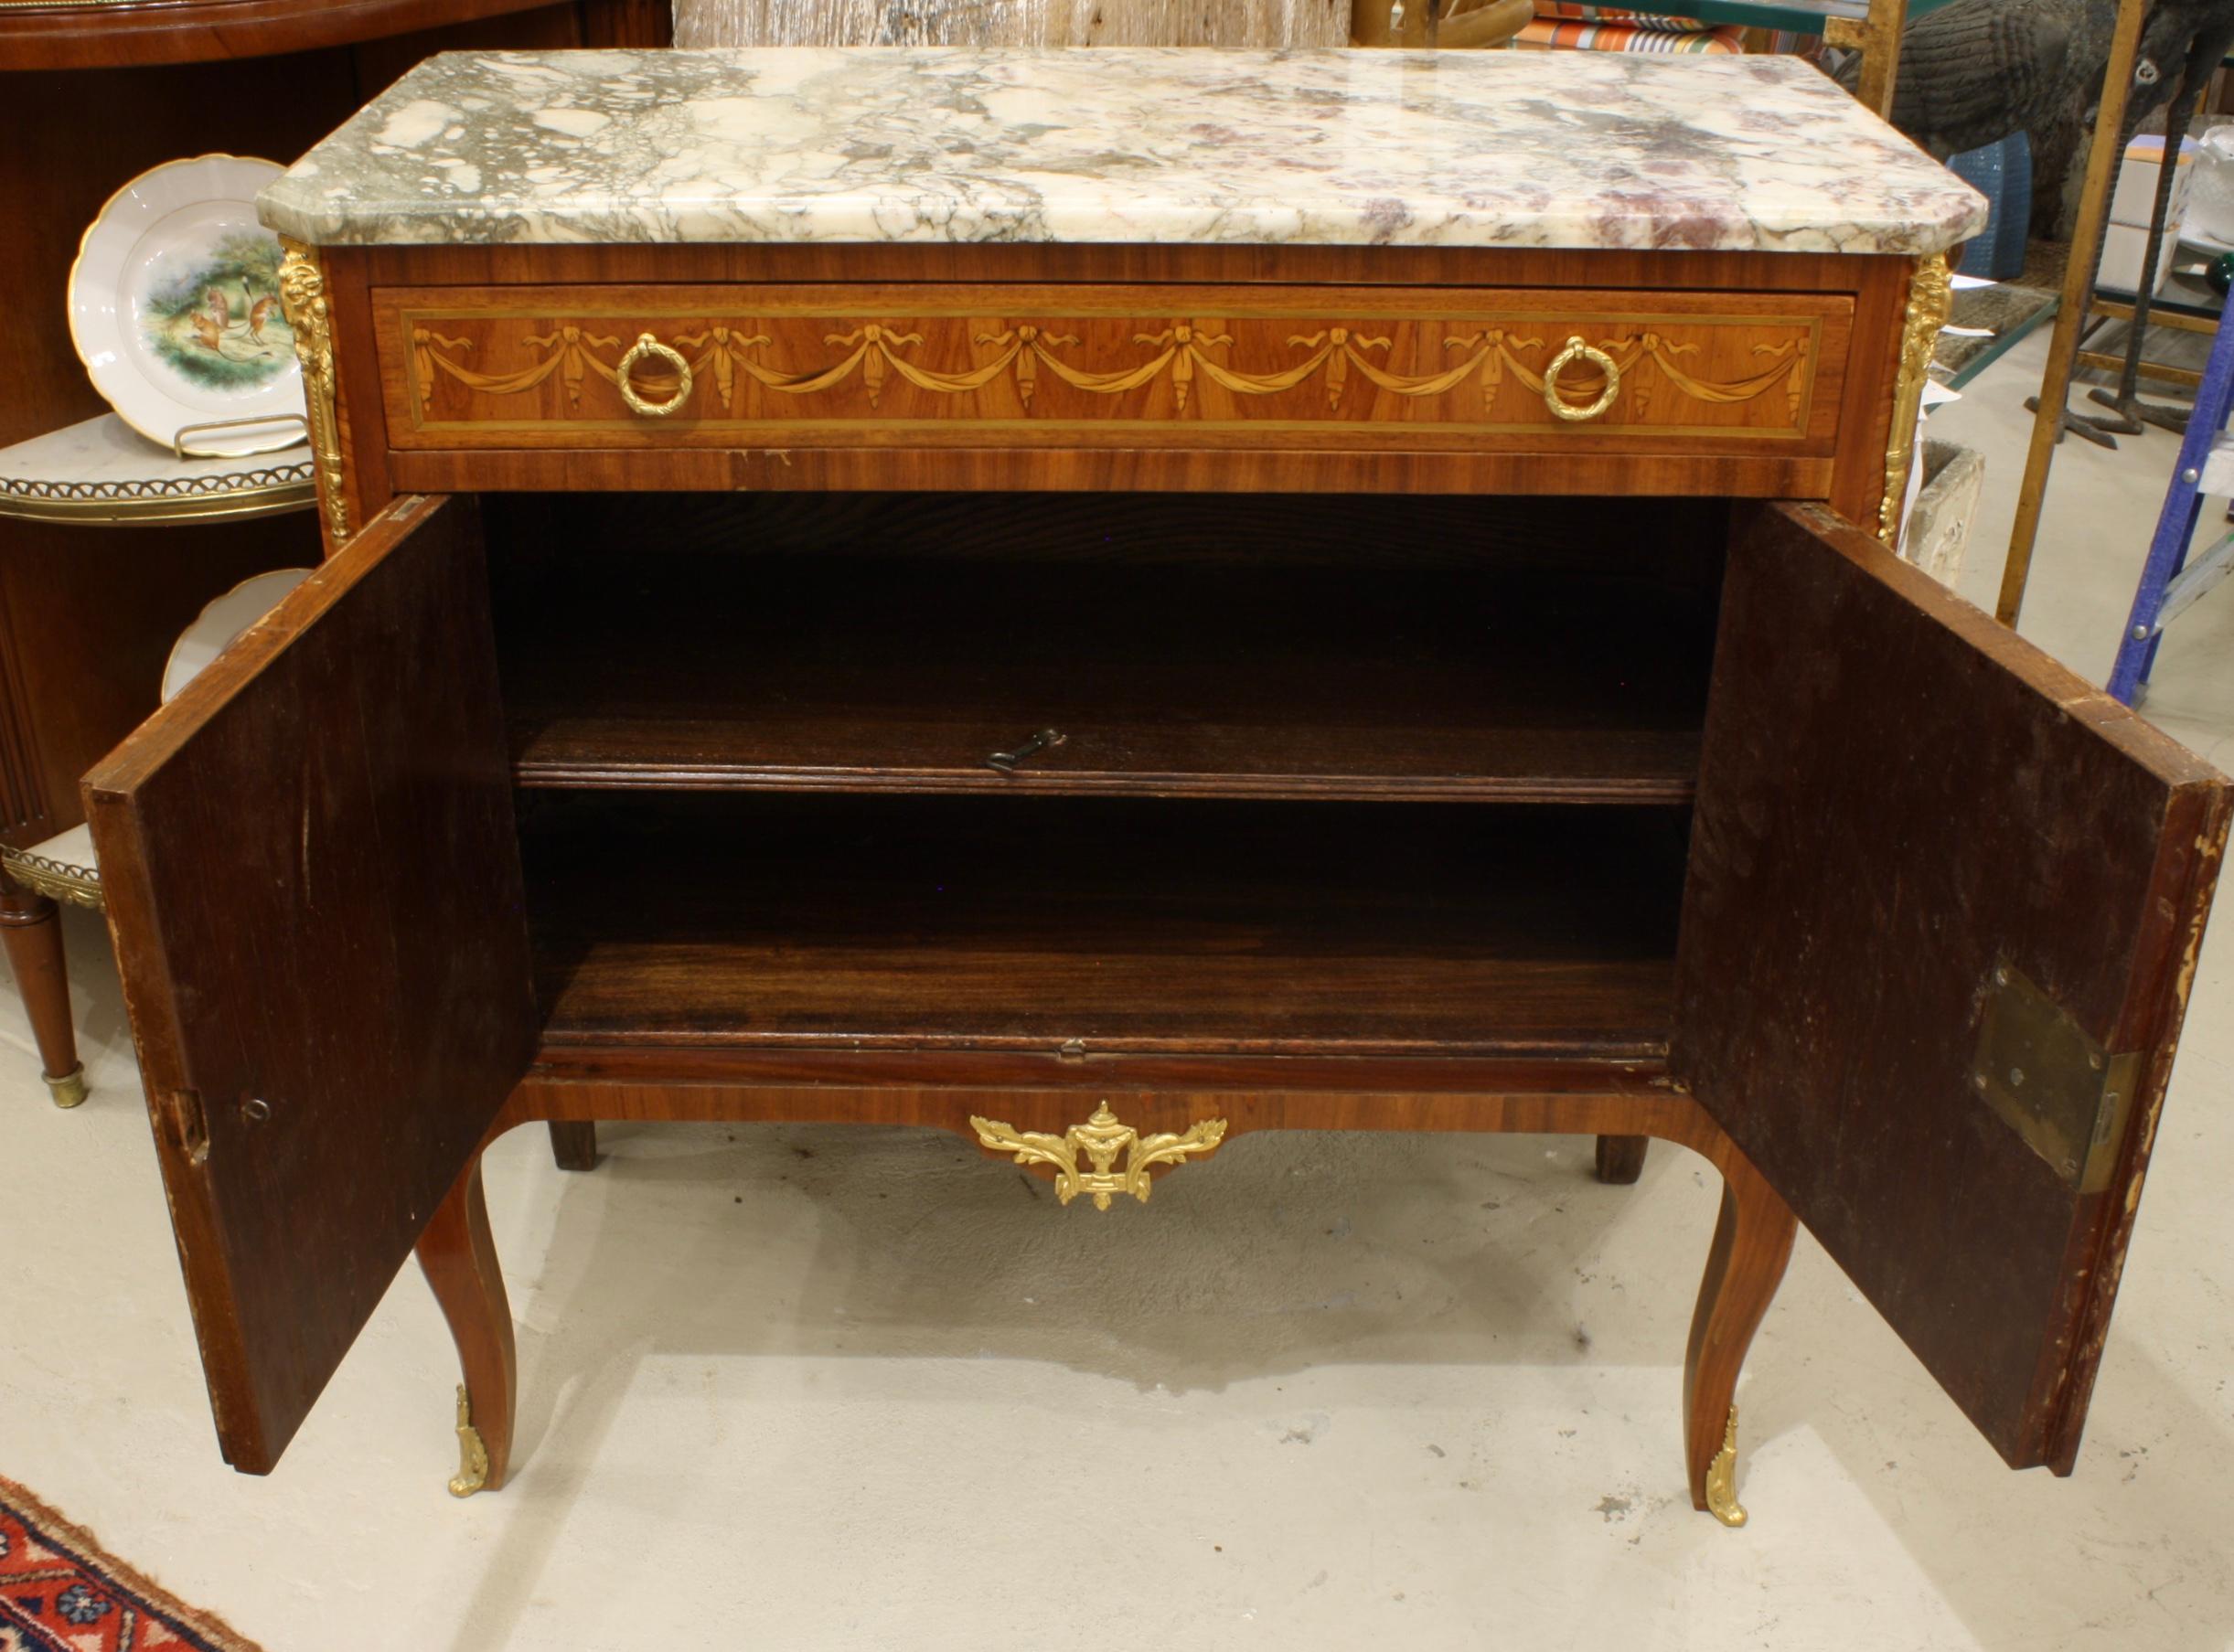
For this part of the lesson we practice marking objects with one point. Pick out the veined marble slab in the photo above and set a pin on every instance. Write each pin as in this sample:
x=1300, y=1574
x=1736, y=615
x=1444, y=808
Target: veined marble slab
x=1464, y=149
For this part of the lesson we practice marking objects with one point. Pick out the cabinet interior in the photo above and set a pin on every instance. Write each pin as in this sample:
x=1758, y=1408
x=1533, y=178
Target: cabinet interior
x=1338, y=774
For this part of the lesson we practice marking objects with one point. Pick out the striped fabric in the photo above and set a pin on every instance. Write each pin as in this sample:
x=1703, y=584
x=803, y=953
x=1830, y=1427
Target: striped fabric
x=1651, y=21
x=1563, y=34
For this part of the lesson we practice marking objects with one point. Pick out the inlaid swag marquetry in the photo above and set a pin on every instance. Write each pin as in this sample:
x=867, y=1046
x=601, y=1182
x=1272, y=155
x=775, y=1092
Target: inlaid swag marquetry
x=495, y=362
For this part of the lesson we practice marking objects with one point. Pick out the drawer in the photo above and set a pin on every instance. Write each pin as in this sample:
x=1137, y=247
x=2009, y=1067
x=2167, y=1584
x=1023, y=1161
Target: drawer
x=1087, y=366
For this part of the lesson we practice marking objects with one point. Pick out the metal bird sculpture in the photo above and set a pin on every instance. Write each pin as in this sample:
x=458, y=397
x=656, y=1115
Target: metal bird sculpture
x=1973, y=72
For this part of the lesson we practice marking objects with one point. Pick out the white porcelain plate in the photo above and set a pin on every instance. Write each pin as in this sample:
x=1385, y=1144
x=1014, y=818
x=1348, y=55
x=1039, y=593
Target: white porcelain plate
x=223, y=620
x=173, y=305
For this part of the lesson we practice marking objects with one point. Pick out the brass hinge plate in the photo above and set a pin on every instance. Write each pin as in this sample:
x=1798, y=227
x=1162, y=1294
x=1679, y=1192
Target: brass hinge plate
x=2051, y=1081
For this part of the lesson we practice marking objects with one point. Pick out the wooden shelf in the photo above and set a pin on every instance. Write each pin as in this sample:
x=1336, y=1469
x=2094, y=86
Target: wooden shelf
x=864, y=674
x=102, y=471
x=864, y=923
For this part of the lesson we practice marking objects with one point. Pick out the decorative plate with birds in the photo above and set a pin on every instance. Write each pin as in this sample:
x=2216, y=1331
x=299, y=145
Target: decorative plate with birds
x=173, y=304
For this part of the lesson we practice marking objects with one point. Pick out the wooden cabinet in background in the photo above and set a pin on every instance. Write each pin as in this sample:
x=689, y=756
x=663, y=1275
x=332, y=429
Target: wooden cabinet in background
x=91, y=95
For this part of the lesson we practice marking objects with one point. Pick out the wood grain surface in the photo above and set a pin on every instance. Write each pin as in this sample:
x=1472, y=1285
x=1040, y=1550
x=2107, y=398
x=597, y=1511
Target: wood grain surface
x=458, y=1255
x=166, y=32
x=1840, y=458
x=802, y=922
x=313, y=874
x=1245, y=646
x=817, y=366
x=1897, y=797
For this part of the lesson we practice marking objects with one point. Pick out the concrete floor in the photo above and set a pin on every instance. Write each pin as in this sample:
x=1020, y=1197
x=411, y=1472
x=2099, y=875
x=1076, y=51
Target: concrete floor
x=816, y=1387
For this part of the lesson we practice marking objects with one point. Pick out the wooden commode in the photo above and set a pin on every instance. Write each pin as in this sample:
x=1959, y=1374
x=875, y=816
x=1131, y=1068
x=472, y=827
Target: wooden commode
x=1106, y=600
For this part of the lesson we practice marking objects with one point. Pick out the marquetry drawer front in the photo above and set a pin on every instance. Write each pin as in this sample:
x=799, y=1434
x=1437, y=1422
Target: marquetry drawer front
x=1104, y=365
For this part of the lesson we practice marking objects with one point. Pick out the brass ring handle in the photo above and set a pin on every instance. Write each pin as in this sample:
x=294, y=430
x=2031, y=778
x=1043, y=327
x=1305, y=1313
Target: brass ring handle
x=645, y=345
x=1578, y=351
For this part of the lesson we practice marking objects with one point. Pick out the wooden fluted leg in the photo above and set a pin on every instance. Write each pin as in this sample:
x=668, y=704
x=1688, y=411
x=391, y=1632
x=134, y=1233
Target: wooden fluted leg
x=1753, y=1240
x=31, y=930
x=1620, y=1159
x=458, y=1257
x=573, y=1143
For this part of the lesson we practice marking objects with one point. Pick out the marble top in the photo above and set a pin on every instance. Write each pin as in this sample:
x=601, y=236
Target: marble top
x=1124, y=144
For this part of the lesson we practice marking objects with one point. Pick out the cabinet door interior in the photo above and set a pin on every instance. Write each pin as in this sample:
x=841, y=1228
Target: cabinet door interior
x=1942, y=914
x=313, y=880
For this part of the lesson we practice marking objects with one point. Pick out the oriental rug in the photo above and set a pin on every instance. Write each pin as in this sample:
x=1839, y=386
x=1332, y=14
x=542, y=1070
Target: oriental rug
x=61, y=1591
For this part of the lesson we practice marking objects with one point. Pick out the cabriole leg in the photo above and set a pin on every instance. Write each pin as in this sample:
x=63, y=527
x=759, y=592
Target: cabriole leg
x=1753, y=1240
x=31, y=930
x=1620, y=1159
x=573, y=1143
x=458, y=1257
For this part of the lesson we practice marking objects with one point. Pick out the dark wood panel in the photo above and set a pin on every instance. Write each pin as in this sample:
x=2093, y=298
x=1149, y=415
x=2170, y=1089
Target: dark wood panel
x=193, y=31
x=88, y=616
x=821, y=649
x=983, y=261
x=1899, y=804
x=1679, y=541
x=383, y=59
x=1168, y=470
x=325, y=1025
x=25, y=800
x=627, y=21
x=1339, y=1091
x=930, y=922
x=1572, y=1098
x=1866, y=420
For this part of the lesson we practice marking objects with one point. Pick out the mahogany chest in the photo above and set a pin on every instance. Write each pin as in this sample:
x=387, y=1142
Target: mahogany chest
x=1105, y=601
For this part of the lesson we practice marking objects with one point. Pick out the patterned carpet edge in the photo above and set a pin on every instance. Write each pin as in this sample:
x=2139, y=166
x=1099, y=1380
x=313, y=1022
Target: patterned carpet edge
x=61, y=1591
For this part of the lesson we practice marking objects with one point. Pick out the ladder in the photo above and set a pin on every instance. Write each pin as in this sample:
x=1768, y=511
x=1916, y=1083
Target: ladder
x=2170, y=581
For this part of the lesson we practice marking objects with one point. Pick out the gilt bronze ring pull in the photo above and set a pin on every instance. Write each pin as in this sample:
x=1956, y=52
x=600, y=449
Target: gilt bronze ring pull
x=645, y=345
x=1576, y=350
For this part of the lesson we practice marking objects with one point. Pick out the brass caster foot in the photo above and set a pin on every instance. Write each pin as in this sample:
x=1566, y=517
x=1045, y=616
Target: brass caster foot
x=1721, y=1478
x=70, y=1088
x=472, y=1456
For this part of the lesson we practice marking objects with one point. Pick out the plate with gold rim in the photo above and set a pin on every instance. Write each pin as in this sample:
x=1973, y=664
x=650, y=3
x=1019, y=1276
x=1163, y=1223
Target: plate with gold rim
x=221, y=623
x=174, y=308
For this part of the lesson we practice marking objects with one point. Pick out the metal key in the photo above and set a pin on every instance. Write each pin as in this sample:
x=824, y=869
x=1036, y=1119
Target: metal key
x=1005, y=762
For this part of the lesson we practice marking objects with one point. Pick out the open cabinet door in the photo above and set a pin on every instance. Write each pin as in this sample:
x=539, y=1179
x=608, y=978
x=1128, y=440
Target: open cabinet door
x=1944, y=909
x=313, y=881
